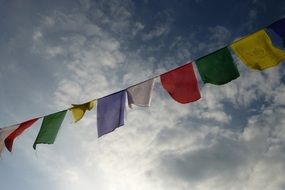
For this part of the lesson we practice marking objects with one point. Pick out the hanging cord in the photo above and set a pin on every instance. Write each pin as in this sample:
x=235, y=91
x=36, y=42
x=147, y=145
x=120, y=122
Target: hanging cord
x=156, y=76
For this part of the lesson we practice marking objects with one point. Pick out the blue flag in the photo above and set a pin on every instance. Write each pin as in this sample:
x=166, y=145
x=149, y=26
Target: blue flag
x=279, y=28
x=110, y=112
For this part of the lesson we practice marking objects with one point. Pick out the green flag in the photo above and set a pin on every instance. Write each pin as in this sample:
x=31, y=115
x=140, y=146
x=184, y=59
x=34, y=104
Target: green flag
x=49, y=128
x=218, y=67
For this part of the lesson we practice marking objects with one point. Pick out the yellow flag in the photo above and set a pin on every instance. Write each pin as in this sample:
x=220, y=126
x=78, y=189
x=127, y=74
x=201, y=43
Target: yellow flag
x=257, y=52
x=78, y=110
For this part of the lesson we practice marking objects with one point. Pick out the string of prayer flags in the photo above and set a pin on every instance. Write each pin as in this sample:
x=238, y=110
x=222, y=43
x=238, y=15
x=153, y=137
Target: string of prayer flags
x=218, y=67
x=257, y=51
x=20, y=128
x=4, y=133
x=78, y=110
x=110, y=112
x=279, y=28
x=49, y=129
x=181, y=84
x=140, y=94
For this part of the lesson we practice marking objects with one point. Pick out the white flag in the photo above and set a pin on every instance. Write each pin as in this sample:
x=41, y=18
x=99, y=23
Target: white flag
x=4, y=133
x=140, y=95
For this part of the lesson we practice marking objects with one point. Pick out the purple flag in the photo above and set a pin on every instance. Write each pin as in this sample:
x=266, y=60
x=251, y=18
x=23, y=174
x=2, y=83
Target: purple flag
x=279, y=28
x=110, y=112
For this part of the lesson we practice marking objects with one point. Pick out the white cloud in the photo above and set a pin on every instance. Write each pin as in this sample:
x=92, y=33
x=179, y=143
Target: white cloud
x=167, y=153
x=166, y=146
x=37, y=35
x=232, y=160
x=156, y=32
x=86, y=4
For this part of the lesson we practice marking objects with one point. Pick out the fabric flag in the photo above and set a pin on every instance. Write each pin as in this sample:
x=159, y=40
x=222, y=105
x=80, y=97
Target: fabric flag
x=4, y=133
x=78, y=110
x=49, y=129
x=110, y=112
x=140, y=95
x=18, y=131
x=218, y=67
x=257, y=52
x=279, y=28
x=181, y=84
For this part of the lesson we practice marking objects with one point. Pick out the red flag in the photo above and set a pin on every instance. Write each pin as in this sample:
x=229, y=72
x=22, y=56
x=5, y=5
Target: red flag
x=181, y=84
x=20, y=129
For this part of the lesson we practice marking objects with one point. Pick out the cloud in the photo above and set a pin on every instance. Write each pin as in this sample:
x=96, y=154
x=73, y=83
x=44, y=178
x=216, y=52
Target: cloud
x=156, y=32
x=192, y=148
x=230, y=160
x=207, y=144
x=86, y=4
x=137, y=28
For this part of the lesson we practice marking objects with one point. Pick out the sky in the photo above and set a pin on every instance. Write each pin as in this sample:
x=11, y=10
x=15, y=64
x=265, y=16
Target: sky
x=57, y=53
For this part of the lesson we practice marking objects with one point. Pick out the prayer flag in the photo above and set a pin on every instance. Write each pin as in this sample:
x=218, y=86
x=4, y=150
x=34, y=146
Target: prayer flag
x=279, y=28
x=257, y=52
x=110, y=112
x=78, y=110
x=140, y=94
x=181, y=84
x=218, y=67
x=18, y=131
x=49, y=129
x=4, y=133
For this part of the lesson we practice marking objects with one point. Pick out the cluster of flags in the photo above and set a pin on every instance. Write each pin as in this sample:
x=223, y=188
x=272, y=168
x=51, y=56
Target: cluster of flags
x=256, y=51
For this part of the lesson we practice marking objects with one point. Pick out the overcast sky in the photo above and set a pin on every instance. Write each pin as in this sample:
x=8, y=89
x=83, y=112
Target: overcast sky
x=55, y=53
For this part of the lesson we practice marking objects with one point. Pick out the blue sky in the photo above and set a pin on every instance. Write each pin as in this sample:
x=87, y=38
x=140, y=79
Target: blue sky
x=55, y=53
